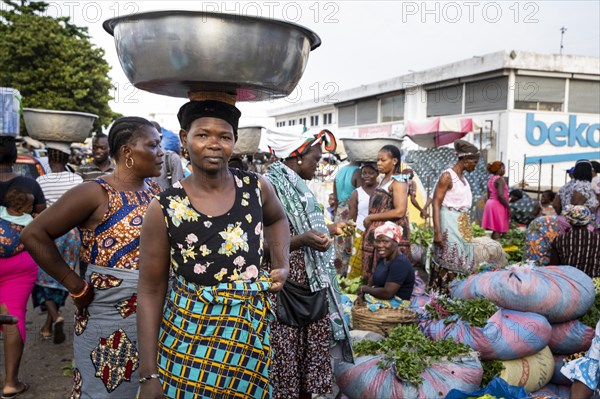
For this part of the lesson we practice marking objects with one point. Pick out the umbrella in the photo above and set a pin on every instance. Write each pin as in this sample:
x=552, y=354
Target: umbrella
x=437, y=132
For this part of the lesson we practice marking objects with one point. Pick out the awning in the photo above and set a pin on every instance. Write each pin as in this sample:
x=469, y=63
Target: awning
x=439, y=131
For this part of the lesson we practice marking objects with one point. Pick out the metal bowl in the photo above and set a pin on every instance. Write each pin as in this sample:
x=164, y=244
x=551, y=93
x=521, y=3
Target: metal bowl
x=173, y=52
x=366, y=149
x=49, y=125
x=248, y=140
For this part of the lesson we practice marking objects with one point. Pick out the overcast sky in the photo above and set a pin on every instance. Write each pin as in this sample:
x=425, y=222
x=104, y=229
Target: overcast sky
x=365, y=41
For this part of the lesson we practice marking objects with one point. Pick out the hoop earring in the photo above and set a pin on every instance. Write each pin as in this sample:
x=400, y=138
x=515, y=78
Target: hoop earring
x=127, y=162
x=299, y=161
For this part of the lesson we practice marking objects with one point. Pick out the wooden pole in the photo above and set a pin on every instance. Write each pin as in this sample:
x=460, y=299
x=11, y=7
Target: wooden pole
x=552, y=177
x=539, y=179
x=480, y=139
x=523, y=180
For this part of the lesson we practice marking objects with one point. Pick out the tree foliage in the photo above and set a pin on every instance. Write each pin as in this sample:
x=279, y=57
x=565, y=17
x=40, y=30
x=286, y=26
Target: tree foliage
x=52, y=62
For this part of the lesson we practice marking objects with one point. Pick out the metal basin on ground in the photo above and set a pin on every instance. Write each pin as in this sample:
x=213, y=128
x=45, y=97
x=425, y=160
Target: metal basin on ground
x=50, y=125
x=366, y=149
x=174, y=52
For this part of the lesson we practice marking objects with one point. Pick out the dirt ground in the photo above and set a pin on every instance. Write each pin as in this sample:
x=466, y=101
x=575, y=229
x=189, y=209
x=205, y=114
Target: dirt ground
x=43, y=362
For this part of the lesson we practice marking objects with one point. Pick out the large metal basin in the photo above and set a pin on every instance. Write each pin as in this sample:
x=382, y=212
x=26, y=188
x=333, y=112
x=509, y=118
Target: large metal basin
x=49, y=125
x=366, y=149
x=173, y=52
x=248, y=140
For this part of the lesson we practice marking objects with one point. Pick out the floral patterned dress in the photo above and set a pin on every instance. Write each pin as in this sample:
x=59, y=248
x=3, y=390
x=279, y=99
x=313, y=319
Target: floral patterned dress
x=214, y=339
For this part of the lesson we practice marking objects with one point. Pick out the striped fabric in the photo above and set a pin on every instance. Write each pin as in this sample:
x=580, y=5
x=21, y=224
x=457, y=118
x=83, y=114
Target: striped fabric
x=54, y=185
x=214, y=340
x=580, y=248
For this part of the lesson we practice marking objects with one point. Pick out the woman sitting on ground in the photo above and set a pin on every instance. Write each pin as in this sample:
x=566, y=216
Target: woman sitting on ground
x=394, y=276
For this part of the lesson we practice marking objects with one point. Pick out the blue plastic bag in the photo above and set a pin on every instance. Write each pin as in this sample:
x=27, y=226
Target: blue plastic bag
x=497, y=387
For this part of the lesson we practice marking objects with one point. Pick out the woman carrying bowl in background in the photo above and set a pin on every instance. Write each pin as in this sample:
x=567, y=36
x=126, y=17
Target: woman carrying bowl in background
x=452, y=201
x=211, y=334
x=109, y=212
x=302, y=364
x=389, y=202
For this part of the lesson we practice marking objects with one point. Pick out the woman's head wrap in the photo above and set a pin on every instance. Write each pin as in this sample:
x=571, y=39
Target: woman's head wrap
x=494, y=166
x=465, y=149
x=577, y=215
x=390, y=230
x=193, y=110
x=295, y=141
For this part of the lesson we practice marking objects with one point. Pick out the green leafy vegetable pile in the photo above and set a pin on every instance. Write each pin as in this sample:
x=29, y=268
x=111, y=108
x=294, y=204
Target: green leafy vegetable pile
x=421, y=235
x=491, y=368
x=411, y=352
x=513, y=243
x=475, y=311
x=350, y=285
x=593, y=314
x=478, y=231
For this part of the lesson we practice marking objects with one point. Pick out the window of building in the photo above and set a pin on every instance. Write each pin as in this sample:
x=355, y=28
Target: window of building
x=445, y=101
x=392, y=108
x=280, y=124
x=584, y=96
x=328, y=118
x=539, y=93
x=302, y=121
x=291, y=122
x=314, y=120
x=366, y=112
x=347, y=115
x=486, y=95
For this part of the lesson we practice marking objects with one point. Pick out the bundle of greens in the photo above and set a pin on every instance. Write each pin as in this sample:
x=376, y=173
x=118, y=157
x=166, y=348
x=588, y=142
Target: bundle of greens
x=491, y=368
x=478, y=231
x=513, y=243
x=350, y=285
x=411, y=352
x=592, y=316
x=421, y=235
x=475, y=311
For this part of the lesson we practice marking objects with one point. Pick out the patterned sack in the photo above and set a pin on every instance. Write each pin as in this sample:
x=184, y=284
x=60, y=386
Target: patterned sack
x=570, y=337
x=531, y=372
x=558, y=378
x=532, y=289
x=365, y=380
x=551, y=391
x=508, y=334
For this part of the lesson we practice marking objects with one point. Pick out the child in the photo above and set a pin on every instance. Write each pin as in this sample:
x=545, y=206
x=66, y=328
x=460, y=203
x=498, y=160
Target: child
x=330, y=210
x=13, y=218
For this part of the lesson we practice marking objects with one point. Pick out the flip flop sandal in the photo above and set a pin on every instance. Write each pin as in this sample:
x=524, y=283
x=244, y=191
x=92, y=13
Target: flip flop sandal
x=15, y=394
x=59, y=334
x=46, y=335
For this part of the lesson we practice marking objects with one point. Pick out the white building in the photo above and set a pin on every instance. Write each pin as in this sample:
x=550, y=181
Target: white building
x=531, y=107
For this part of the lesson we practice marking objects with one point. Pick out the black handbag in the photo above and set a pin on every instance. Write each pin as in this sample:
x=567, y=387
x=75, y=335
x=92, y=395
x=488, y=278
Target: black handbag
x=298, y=306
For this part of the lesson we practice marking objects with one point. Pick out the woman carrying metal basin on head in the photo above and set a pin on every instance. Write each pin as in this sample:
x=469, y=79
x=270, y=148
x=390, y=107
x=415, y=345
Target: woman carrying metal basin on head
x=211, y=334
x=109, y=212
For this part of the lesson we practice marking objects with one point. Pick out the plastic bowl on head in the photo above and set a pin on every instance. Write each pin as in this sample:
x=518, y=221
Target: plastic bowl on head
x=175, y=52
x=366, y=149
x=50, y=125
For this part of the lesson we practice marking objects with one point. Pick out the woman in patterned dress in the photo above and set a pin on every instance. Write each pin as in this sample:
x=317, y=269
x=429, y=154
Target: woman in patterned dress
x=109, y=212
x=302, y=363
x=211, y=334
x=388, y=203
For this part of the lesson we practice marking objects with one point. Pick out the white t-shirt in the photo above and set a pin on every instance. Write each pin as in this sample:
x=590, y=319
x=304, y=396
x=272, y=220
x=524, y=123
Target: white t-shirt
x=54, y=185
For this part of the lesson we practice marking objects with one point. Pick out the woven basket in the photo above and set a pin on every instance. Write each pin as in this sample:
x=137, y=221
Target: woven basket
x=382, y=320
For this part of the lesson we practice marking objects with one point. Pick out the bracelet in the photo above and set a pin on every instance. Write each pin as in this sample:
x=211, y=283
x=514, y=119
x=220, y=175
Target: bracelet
x=65, y=276
x=149, y=377
x=86, y=288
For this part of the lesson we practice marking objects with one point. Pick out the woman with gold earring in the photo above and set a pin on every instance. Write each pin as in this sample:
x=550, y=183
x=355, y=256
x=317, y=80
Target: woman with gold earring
x=109, y=212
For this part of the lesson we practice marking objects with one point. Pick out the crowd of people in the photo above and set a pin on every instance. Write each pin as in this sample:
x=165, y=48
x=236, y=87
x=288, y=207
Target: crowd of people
x=214, y=280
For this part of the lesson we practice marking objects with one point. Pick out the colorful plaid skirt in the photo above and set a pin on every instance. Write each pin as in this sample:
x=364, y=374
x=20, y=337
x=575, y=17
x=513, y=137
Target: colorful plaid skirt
x=214, y=340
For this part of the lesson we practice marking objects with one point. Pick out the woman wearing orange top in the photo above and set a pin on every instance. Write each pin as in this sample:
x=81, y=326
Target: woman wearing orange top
x=109, y=212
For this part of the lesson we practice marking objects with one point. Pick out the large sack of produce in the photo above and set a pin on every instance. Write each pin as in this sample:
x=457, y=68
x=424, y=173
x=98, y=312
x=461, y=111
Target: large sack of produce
x=551, y=391
x=365, y=380
x=570, y=337
x=507, y=335
x=531, y=372
x=497, y=388
x=561, y=293
x=557, y=377
x=488, y=250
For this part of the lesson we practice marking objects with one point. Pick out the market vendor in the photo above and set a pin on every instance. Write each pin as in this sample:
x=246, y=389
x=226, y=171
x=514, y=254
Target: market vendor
x=393, y=276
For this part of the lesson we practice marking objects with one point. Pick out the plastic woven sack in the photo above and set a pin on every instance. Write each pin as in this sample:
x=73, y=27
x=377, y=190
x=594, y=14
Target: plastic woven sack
x=551, y=391
x=365, y=380
x=561, y=293
x=531, y=372
x=508, y=334
x=497, y=388
x=570, y=337
x=557, y=377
